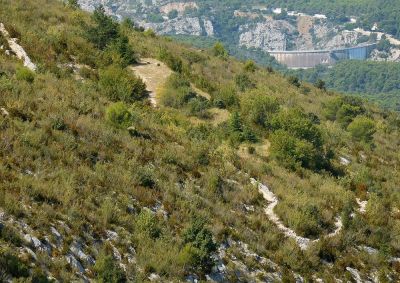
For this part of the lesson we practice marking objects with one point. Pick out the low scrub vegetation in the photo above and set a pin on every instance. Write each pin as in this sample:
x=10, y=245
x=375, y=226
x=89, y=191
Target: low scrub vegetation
x=89, y=155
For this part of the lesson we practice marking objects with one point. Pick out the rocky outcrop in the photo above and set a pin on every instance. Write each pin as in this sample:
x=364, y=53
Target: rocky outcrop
x=17, y=49
x=267, y=35
x=340, y=40
x=183, y=26
x=180, y=7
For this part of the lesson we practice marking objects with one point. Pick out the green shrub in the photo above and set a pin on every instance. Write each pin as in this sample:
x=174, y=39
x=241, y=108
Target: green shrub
x=121, y=47
x=104, y=30
x=293, y=80
x=243, y=82
x=121, y=85
x=108, y=271
x=39, y=276
x=362, y=129
x=259, y=109
x=177, y=92
x=145, y=177
x=293, y=152
x=198, y=107
x=10, y=235
x=24, y=74
x=250, y=66
x=343, y=109
x=219, y=50
x=199, y=245
x=118, y=115
x=299, y=125
x=226, y=97
x=149, y=33
x=73, y=4
x=320, y=84
x=147, y=223
x=174, y=62
x=12, y=265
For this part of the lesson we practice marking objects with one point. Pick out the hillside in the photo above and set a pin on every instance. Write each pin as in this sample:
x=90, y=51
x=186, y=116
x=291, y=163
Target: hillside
x=128, y=157
x=377, y=81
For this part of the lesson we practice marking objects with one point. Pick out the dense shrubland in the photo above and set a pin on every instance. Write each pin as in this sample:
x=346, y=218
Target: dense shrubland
x=376, y=81
x=84, y=147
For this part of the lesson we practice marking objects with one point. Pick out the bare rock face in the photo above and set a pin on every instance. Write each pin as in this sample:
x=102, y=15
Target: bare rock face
x=208, y=27
x=187, y=26
x=37, y=244
x=268, y=35
x=178, y=6
x=342, y=39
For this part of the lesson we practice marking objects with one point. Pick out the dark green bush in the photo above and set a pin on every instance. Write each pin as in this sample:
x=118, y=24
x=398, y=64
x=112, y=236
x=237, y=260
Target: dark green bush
x=108, y=271
x=12, y=265
x=147, y=223
x=362, y=129
x=10, y=235
x=121, y=85
x=118, y=115
x=199, y=245
x=243, y=82
x=24, y=74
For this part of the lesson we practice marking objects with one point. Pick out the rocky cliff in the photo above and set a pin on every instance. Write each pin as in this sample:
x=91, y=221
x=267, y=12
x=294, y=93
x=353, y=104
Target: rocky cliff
x=254, y=27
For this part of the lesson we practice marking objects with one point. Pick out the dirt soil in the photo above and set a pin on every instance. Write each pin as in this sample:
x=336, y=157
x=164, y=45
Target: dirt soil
x=304, y=25
x=154, y=73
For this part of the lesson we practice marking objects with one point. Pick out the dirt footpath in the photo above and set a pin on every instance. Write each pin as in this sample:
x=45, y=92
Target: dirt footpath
x=154, y=73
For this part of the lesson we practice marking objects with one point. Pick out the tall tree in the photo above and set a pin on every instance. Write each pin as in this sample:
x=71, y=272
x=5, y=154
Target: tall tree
x=105, y=29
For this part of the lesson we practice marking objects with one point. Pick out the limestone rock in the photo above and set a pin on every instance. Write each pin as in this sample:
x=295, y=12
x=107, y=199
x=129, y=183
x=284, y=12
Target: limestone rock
x=75, y=264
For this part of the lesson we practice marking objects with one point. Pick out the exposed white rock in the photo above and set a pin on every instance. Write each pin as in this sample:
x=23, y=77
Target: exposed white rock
x=192, y=278
x=249, y=208
x=154, y=277
x=344, y=161
x=17, y=49
x=4, y=112
x=355, y=274
x=184, y=25
x=277, y=11
x=340, y=40
x=369, y=250
x=77, y=250
x=208, y=27
x=37, y=244
x=180, y=7
x=320, y=16
x=30, y=252
x=268, y=35
x=55, y=233
x=362, y=205
x=112, y=235
x=75, y=264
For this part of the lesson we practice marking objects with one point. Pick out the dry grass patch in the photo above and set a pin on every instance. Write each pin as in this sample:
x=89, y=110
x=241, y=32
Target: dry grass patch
x=219, y=116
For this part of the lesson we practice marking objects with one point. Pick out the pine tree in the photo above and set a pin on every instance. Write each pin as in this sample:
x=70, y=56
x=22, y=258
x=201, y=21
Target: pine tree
x=236, y=123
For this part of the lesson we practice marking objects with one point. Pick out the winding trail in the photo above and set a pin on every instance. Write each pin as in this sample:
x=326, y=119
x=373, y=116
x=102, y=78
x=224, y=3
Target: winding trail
x=303, y=242
x=17, y=49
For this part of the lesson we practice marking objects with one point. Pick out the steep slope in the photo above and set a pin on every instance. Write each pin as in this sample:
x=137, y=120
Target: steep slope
x=98, y=185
